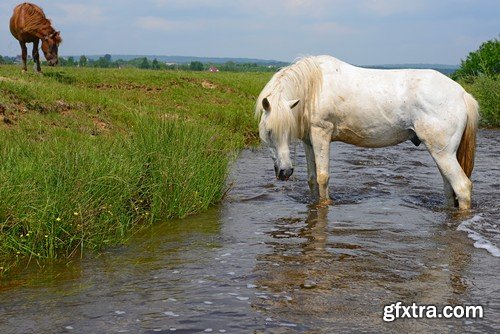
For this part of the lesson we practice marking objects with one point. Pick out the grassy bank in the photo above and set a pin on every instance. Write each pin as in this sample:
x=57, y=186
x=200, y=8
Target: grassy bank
x=88, y=155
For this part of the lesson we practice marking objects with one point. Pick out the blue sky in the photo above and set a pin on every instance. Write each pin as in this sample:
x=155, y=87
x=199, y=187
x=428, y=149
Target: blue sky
x=364, y=32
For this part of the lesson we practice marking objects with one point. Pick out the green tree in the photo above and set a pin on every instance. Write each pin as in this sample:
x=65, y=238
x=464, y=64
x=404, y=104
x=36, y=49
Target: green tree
x=70, y=62
x=230, y=66
x=2, y=61
x=103, y=62
x=83, y=61
x=62, y=61
x=144, y=63
x=196, y=66
x=484, y=61
x=155, y=65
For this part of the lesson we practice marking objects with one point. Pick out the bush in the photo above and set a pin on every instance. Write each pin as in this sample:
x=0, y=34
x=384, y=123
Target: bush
x=487, y=92
x=479, y=75
x=484, y=61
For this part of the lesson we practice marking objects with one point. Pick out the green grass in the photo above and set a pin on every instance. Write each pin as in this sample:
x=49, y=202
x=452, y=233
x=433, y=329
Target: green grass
x=89, y=155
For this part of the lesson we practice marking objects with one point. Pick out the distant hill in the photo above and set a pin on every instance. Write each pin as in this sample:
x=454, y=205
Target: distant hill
x=188, y=59
x=445, y=69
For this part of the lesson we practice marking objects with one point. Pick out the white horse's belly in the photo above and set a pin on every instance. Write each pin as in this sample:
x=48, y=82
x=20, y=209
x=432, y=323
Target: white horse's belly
x=371, y=136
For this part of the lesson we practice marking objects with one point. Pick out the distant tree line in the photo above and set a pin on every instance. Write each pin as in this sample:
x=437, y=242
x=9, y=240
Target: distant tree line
x=6, y=60
x=145, y=63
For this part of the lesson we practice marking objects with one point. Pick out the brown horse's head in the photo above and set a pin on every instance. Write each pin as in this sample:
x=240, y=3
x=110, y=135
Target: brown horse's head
x=50, y=46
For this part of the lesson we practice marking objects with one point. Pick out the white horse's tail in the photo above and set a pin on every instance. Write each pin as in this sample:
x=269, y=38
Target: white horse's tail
x=467, y=148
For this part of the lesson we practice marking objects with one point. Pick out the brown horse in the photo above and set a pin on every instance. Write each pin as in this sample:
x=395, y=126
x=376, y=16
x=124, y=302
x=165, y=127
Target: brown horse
x=28, y=24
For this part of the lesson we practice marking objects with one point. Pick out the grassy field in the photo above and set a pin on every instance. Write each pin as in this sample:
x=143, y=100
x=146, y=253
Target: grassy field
x=87, y=155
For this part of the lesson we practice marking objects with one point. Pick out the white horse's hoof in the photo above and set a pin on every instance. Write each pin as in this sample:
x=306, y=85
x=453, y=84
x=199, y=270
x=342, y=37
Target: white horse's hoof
x=324, y=203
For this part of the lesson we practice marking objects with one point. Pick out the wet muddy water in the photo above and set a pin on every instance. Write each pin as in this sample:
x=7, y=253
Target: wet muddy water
x=266, y=261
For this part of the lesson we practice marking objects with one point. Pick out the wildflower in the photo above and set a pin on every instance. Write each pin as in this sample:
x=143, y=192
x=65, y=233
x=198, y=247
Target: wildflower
x=58, y=219
x=46, y=236
x=76, y=213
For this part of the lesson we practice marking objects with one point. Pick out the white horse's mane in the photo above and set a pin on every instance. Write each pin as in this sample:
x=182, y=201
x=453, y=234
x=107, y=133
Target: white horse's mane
x=301, y=80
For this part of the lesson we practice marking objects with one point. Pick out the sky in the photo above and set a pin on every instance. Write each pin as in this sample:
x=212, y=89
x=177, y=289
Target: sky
x=363, y=32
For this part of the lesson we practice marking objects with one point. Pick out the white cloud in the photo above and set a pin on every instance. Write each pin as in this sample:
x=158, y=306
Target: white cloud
x=79, y=14
x=192, y=4
x=154, y=23
x=329, y=28
x=161, y=24
x=391, y=7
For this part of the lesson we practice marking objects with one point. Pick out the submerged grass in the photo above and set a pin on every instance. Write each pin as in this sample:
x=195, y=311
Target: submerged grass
x=88, y=155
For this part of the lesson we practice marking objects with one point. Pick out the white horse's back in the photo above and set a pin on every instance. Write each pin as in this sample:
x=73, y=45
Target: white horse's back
x=375, y=108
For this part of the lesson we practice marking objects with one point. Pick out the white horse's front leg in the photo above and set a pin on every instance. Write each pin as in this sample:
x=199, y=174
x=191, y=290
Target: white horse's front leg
x=320, y=139
x=311, y=170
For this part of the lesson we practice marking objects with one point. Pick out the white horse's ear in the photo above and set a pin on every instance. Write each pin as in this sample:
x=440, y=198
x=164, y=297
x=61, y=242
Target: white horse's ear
x=266, y=105
x=293, y=103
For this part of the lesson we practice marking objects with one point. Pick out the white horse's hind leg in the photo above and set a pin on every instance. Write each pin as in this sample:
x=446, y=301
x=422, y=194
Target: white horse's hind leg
x=451, y=171
x=442, y=139
x=449, y=194
x=311, y=171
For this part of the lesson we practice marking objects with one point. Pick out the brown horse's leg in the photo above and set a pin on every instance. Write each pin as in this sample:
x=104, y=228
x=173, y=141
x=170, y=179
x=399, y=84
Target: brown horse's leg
x=36, y=56
x=24, y=55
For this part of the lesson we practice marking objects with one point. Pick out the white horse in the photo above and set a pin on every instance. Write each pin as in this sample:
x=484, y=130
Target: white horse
x=322, y=99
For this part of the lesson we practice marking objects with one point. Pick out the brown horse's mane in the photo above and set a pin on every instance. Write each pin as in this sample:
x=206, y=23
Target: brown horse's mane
x=36, y=21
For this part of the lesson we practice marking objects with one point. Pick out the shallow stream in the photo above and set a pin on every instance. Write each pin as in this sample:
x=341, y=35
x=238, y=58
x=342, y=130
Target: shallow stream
x=265, y=261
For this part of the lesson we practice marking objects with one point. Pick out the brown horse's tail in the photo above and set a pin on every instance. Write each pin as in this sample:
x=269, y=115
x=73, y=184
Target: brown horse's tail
x=467, y=148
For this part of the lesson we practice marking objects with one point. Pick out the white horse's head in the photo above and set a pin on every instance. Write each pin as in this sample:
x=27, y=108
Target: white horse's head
x=277, y=128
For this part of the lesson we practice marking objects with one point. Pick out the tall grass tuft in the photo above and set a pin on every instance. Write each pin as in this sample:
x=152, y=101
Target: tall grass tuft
x=66, y=193
x=183, y=167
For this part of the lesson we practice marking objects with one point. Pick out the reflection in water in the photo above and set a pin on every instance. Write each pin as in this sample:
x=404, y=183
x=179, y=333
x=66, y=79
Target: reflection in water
x=266, y=261
x=326, y=277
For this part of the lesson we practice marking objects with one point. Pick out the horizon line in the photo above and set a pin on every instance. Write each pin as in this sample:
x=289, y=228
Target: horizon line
x=152, y=56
